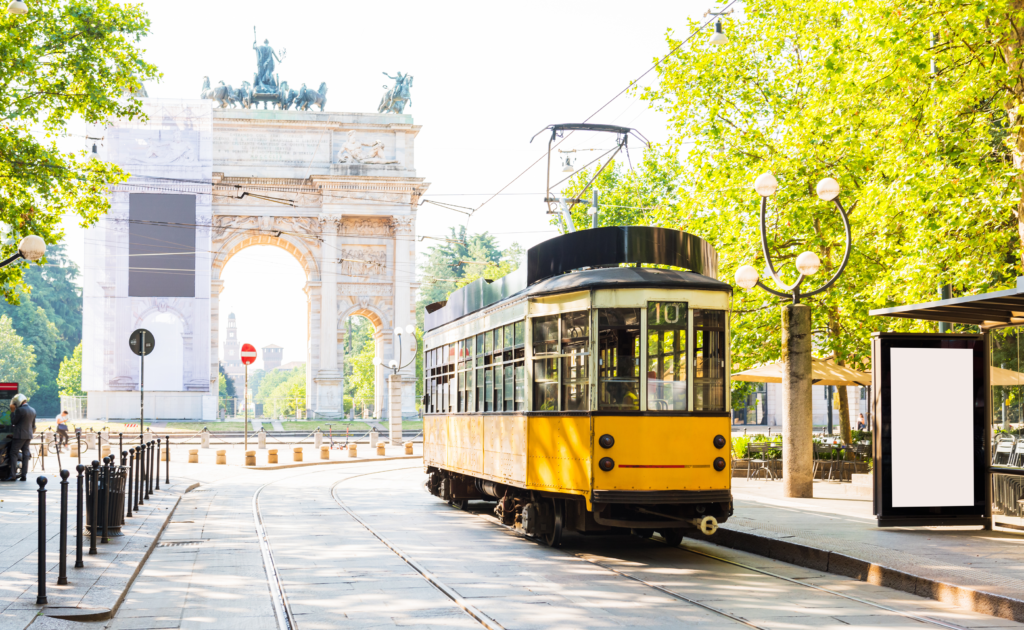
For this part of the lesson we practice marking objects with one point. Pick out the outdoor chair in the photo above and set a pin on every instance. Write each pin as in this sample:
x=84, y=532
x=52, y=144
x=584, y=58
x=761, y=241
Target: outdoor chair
x=823, y=458
x=1004, y=450
x=759, y=461
x=1017, y=458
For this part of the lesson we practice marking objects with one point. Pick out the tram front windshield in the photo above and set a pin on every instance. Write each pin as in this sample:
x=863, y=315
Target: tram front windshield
x=618, y=376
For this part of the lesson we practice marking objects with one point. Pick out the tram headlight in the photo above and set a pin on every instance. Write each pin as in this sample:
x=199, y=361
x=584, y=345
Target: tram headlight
x=719, y=464
x=606, y=441
x=719, y=441
x=607, y=463
x=746, y=277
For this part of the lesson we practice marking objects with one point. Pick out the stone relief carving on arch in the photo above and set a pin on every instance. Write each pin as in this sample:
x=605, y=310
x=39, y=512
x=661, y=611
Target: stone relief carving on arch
x=363, y=261
x=367, y=227
x=404, y=225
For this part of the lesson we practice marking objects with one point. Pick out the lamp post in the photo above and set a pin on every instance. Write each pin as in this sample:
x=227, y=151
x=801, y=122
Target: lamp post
x=395, y=385
x=798, y=428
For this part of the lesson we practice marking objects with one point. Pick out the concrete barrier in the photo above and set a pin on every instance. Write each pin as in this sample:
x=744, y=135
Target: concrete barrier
x=74, y=449
x=325, y=452
x=408, y=448
x=380, y=448
x=272, y=456
x=222, y=457
x=250, y=458
x=297, y=454
x=193, y=455
x=352, y=450
x=106, y=451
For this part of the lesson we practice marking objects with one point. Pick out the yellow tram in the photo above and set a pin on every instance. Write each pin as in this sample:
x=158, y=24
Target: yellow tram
x=586, y=391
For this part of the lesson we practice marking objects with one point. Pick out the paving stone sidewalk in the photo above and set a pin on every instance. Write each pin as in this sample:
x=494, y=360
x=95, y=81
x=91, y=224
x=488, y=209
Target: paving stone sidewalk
x=836, y=532
x=94, y=590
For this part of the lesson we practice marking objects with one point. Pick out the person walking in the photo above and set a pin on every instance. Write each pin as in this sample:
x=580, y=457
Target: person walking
x=23, y=421
x=62, y=429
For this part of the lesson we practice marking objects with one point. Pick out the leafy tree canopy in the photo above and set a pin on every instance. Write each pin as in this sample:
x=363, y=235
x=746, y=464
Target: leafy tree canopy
x=64, y=59
x=69, y=378
x=17, y=360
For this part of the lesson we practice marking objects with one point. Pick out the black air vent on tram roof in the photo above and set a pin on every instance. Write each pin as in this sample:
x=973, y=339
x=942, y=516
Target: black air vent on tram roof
x=595, y=248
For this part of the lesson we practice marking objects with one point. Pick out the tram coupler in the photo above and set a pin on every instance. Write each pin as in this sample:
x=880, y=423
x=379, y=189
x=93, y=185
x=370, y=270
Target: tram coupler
x=707, y=525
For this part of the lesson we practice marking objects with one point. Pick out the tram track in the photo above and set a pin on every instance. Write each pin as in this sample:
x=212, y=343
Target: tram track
x=286, y=620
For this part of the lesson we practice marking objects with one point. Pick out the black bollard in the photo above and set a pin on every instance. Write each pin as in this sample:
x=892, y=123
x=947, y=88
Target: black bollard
x=152, y=459
x=78, y=436
x=156, y=460
x=62, y=577
x=127, y=456
x=78, y=518
x=105, y=510
x=139, y=475
x=41, y=597
x=148, y=467
x=167, y=449
x=94, y=482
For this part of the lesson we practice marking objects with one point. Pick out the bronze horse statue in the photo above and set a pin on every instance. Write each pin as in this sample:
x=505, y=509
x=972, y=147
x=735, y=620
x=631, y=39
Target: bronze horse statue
x=285, y=96
x=222, y=94
x=307, y=97
x=396, y=98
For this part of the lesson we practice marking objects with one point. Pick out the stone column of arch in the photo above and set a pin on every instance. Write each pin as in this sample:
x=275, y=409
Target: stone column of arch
x=329, y=378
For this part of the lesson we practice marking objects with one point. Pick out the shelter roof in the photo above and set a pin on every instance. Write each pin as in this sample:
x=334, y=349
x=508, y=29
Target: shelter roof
x=998, y=308
x=823, y=372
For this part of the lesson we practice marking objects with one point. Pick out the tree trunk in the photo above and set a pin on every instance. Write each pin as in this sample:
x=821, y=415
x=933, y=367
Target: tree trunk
x=844, y=415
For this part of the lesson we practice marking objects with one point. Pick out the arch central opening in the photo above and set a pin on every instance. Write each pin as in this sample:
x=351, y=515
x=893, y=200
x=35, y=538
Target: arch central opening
x=264, y=302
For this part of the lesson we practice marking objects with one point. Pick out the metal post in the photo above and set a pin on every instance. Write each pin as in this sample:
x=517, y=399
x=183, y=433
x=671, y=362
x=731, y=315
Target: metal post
x=167, y=447
x=78, y=436
x=147, y=468
x=142, y=384
x=62, y=577
x=95, y=482
x=138, y=478
x=156, y=461
x=41, y=596
x=828, y=407
x=105, y=510
x=79, y=532
x=595, y=223
x=120, y=444
x=245, y=397
x=130, y=453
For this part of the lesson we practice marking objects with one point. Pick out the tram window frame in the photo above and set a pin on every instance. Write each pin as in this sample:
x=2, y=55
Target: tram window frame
x=710, y=352
x=574, y=354
x=667, y=394
x=609, y=360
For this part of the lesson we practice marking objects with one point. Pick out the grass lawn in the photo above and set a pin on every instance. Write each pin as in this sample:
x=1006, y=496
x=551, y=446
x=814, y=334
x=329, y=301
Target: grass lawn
x=338, y=427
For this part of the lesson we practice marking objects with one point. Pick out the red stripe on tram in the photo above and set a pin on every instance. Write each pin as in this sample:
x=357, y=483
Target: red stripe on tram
x=664, y=466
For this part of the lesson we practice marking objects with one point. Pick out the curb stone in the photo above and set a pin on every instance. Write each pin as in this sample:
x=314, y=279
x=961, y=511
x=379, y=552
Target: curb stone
x=840, y=564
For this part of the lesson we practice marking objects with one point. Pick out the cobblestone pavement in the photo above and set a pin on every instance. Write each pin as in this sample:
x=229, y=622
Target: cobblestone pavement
x=209, y=570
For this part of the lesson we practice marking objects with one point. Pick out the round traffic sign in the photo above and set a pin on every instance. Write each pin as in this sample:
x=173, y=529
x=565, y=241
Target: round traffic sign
x=248, y=354
x=141, y=342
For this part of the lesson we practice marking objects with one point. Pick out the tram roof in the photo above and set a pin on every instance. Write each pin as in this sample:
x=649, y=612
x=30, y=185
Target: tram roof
x=588, y=260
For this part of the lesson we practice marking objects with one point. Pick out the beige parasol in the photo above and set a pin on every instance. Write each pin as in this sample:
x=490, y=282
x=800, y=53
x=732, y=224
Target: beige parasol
x=1002, y=377
x=823, y=372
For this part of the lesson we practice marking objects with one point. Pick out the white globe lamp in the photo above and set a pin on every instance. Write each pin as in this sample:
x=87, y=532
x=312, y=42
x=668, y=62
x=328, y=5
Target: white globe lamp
x=17, y=7
x=746, y=277
x=410, y=329
x=766, y=184
x=808, y=263
x=32, y=247
x=828, y=189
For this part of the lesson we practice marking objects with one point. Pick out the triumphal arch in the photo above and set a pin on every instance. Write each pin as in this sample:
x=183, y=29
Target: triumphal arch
x=338, y=191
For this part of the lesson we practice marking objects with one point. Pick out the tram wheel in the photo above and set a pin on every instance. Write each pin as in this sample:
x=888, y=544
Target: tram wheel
x=643, y=533
x=672, y=536
x=554, y=537
x=459, y=504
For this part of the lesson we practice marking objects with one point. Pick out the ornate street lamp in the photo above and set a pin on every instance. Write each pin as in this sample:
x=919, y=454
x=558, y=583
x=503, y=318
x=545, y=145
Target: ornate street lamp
x=798, y=427
x=31, y=248
x=395, y=385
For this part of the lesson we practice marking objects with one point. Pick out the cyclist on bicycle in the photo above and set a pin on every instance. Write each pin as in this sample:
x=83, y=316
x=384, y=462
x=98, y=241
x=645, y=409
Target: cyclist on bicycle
x=62, y=429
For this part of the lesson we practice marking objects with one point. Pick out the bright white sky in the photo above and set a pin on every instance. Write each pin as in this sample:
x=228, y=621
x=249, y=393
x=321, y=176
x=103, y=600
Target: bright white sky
x=488, y=76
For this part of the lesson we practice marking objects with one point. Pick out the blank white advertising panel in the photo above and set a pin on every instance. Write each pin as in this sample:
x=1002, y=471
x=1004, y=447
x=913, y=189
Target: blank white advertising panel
x=932, y=427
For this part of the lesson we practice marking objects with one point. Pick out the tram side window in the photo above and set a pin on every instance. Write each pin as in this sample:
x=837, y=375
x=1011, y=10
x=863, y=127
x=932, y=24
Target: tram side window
x=666, y=356
x=575, y=354
x=709, y=360
x=618, y=382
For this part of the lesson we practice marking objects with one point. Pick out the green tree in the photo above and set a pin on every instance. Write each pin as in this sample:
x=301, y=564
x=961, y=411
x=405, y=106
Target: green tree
x=50, y=319
x=447, y=262
x=69, y=378
x=227, y=387
x=929, y=161
x=17, y=360
x=64, y=60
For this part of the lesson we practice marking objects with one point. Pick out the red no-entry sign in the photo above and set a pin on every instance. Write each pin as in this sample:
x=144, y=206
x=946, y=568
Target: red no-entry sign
x=248, y=354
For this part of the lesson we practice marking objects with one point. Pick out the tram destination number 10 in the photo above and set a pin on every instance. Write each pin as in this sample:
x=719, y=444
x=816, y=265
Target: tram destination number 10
x=666, y=314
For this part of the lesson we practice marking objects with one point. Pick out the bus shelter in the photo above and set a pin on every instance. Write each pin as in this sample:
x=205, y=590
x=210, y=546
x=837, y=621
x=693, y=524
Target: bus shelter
x=999, y=374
